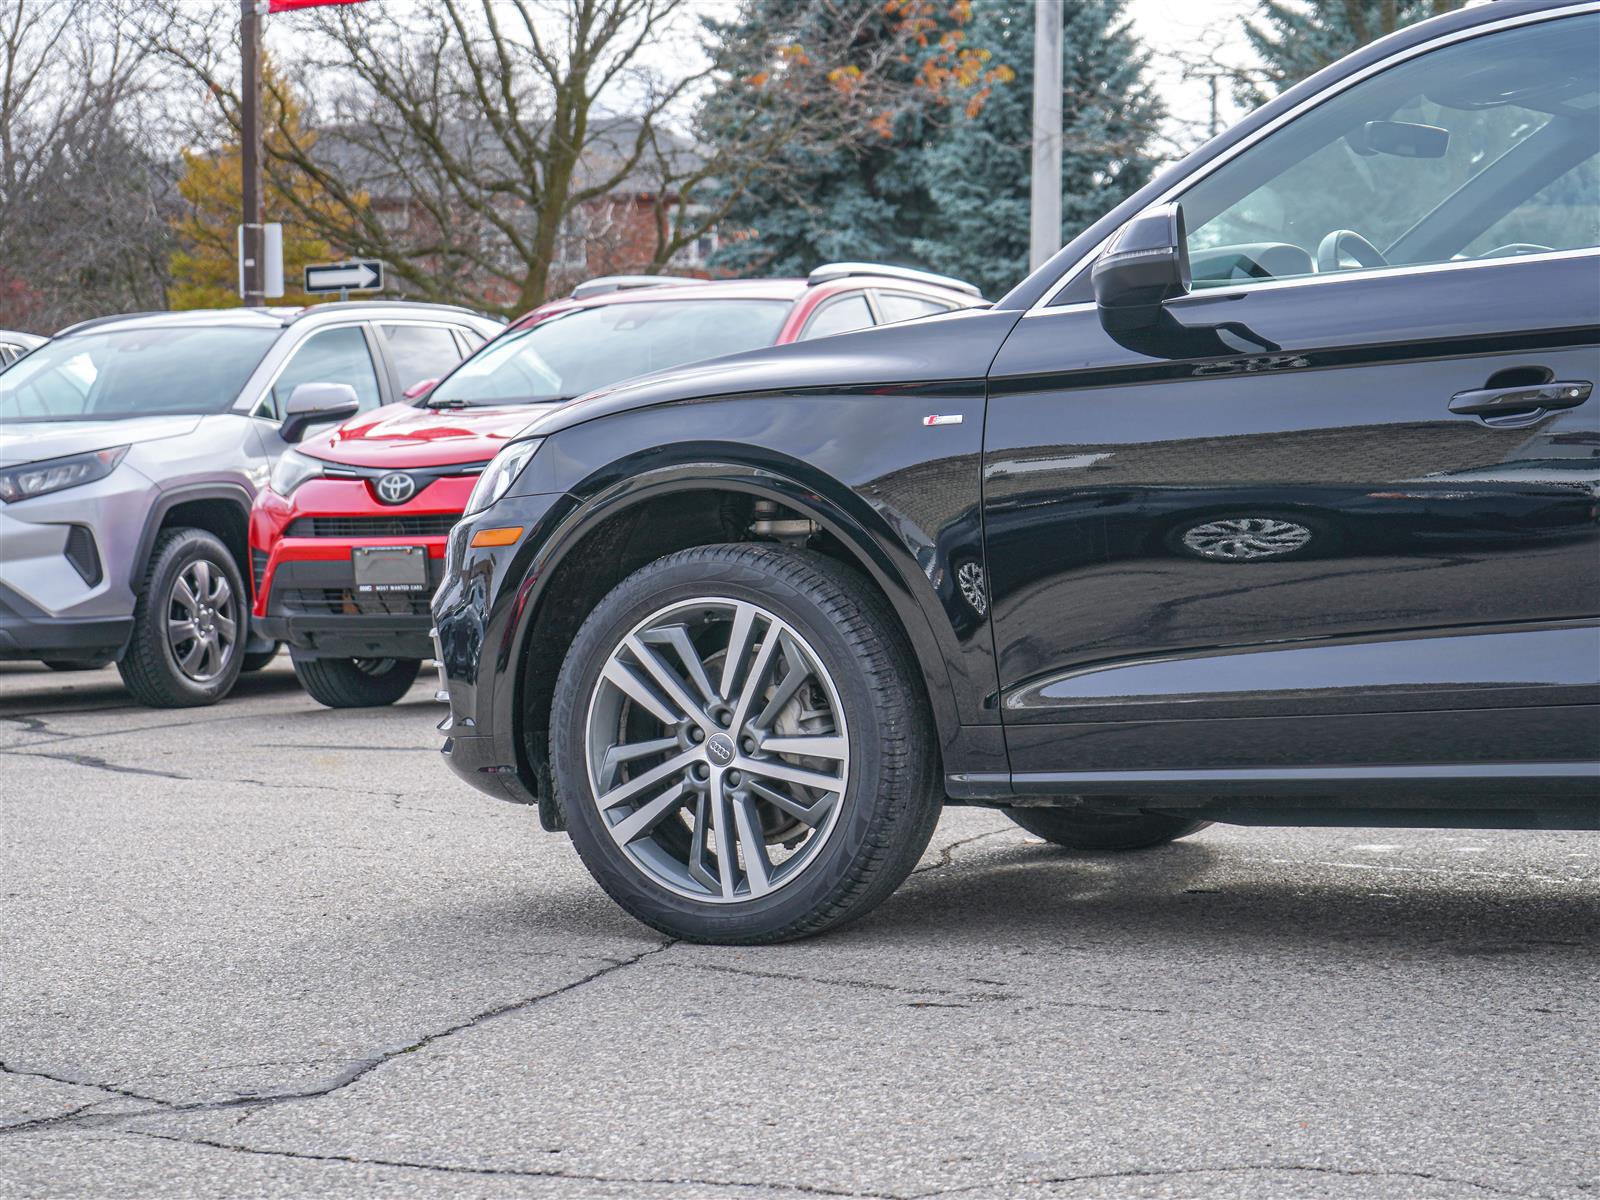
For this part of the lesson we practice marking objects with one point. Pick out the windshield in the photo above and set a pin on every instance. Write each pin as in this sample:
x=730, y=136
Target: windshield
x=588, y=348
x=133, y=373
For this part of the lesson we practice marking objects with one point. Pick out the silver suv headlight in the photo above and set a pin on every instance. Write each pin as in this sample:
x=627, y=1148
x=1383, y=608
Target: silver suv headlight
x=500, y=474
x=292, y=469
x=53, y=474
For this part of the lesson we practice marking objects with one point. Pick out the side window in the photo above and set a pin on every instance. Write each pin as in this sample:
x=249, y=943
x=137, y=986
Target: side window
x=329, y=356
x=470, y=339
x=1429, y=161
x=844, y=315
x=421, y=351
x=901, y=306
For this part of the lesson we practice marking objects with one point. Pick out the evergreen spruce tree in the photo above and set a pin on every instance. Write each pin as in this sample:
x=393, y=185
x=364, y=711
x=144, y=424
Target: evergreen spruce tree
x=1297, y=38
x=889, y=74
x=978, y=174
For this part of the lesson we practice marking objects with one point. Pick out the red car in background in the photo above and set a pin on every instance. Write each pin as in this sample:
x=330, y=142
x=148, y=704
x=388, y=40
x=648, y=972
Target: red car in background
x=347, y=542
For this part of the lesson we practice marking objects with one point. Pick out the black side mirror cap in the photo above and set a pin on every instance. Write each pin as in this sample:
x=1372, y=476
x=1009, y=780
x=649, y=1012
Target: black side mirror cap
x=314, y=403
x=1145, y=265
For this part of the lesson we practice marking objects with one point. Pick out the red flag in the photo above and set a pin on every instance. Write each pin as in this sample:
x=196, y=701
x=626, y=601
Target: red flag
x=277, y=6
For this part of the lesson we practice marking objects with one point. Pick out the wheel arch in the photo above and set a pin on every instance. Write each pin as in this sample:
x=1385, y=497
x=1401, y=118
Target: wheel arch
x=219, y=508
x=607, y=536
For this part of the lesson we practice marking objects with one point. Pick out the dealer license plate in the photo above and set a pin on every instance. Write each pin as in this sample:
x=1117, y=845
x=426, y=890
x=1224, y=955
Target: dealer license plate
x=390, y=568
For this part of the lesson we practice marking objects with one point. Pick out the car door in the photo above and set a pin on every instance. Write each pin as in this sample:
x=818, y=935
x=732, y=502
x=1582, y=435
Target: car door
x=1286, y=529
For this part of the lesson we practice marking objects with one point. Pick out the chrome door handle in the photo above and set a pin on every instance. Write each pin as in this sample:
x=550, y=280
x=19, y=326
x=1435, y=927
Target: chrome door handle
x=1524, y=398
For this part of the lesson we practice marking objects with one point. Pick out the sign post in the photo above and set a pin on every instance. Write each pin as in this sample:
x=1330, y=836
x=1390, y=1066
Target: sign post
x=361, y=275
x=252, y=251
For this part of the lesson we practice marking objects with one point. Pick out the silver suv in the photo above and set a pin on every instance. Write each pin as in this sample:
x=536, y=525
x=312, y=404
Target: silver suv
x=130, y=451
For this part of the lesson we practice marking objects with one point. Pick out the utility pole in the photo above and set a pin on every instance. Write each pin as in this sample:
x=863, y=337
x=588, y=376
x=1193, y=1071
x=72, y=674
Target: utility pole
x=252, y=244
x=1045, y=194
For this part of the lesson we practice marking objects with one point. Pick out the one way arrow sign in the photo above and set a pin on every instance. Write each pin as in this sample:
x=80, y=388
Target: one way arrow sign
x=362, y=276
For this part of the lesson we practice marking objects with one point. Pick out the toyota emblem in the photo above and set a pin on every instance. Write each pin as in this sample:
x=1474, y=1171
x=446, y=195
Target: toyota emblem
x=396, y=488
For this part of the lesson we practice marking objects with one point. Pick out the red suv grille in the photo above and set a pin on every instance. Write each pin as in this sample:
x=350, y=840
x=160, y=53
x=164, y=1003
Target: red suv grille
x=431, y=525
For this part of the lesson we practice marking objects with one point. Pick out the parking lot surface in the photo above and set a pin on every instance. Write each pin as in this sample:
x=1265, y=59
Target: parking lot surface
x=272, y=949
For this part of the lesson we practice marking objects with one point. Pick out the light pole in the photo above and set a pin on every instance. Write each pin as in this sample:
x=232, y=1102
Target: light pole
x=252, y=243
x=1045, y=193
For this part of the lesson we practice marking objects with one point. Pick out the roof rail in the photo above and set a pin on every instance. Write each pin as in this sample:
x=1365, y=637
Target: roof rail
x=828, y=272
x=380, y=305
x=601, y=284
x=92, y=322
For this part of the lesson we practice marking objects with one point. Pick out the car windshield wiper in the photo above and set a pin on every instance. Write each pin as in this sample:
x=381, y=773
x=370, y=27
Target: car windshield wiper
x=455, y=402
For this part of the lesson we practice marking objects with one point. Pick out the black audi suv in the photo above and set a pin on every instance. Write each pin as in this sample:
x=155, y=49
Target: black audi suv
x=1271, y=498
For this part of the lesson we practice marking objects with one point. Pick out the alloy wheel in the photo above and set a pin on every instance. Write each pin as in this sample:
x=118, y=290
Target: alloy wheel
x=202, y=621
x=1245, y=539
x=717, y=750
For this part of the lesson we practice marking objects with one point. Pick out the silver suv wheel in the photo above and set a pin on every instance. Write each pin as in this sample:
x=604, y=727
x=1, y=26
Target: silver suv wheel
x=202, y=621
x=717, y=750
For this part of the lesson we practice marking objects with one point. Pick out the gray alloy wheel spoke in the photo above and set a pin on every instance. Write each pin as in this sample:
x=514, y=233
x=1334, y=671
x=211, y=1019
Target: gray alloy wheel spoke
x=226, y=628
x=639, y=692
x=664, y=679
x=677, y=637
x=781, y=772
x=194, y=658
x=179, y=632
x=799, y=672
x=722, y=830
x=752, y=845
x=718, y=780
x=626, y=791
x=758, y=672
x=220, y=594
x=811, y=814
x=814, y=746
x=744, y=617
x=184, y=595
x=200, y=572
x=618, y=755
x=647, y=816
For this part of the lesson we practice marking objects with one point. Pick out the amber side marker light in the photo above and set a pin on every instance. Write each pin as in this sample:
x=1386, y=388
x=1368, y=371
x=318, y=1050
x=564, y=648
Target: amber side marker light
x=497, y=537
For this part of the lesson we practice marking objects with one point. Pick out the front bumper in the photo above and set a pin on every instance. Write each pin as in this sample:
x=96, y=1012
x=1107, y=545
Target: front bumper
x=27, y=632
x=313, y=606
x=477, y=613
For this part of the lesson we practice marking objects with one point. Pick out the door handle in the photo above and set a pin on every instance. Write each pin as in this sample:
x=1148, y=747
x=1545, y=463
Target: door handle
x=1522, y=398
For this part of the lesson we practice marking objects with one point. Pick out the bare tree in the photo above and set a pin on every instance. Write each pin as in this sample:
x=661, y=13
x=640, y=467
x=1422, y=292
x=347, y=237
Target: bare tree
x=81, y=231
x=471, y=144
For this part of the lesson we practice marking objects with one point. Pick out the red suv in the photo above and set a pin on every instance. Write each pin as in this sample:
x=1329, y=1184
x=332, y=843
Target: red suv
x=348, y=540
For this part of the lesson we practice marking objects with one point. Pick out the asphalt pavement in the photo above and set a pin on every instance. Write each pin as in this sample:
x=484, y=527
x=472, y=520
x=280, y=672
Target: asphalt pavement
x=268, y=949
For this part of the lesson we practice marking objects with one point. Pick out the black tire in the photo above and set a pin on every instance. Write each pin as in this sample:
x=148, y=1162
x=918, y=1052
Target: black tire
x=891, y=802
x=60, y=665
x=260, y=660
x=357, y=682
x=1077, y=830
x=150, y=668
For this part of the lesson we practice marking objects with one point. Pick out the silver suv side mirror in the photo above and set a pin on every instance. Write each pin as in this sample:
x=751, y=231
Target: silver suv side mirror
x=313, y=403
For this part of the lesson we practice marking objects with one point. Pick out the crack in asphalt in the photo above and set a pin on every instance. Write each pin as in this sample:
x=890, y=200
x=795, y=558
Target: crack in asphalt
x=518, y=1172
x=359, y=1069
x=1238, y=1169
x=96, y=763
x=947, y=855
x=873, y=985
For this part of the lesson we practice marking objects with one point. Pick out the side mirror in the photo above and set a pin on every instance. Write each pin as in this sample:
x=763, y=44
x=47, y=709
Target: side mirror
x=1145, y=265
x=313, y=403
x=419, y=389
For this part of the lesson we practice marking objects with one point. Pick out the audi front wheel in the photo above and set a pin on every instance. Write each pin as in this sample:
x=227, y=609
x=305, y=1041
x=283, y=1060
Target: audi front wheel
x=741, y=746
